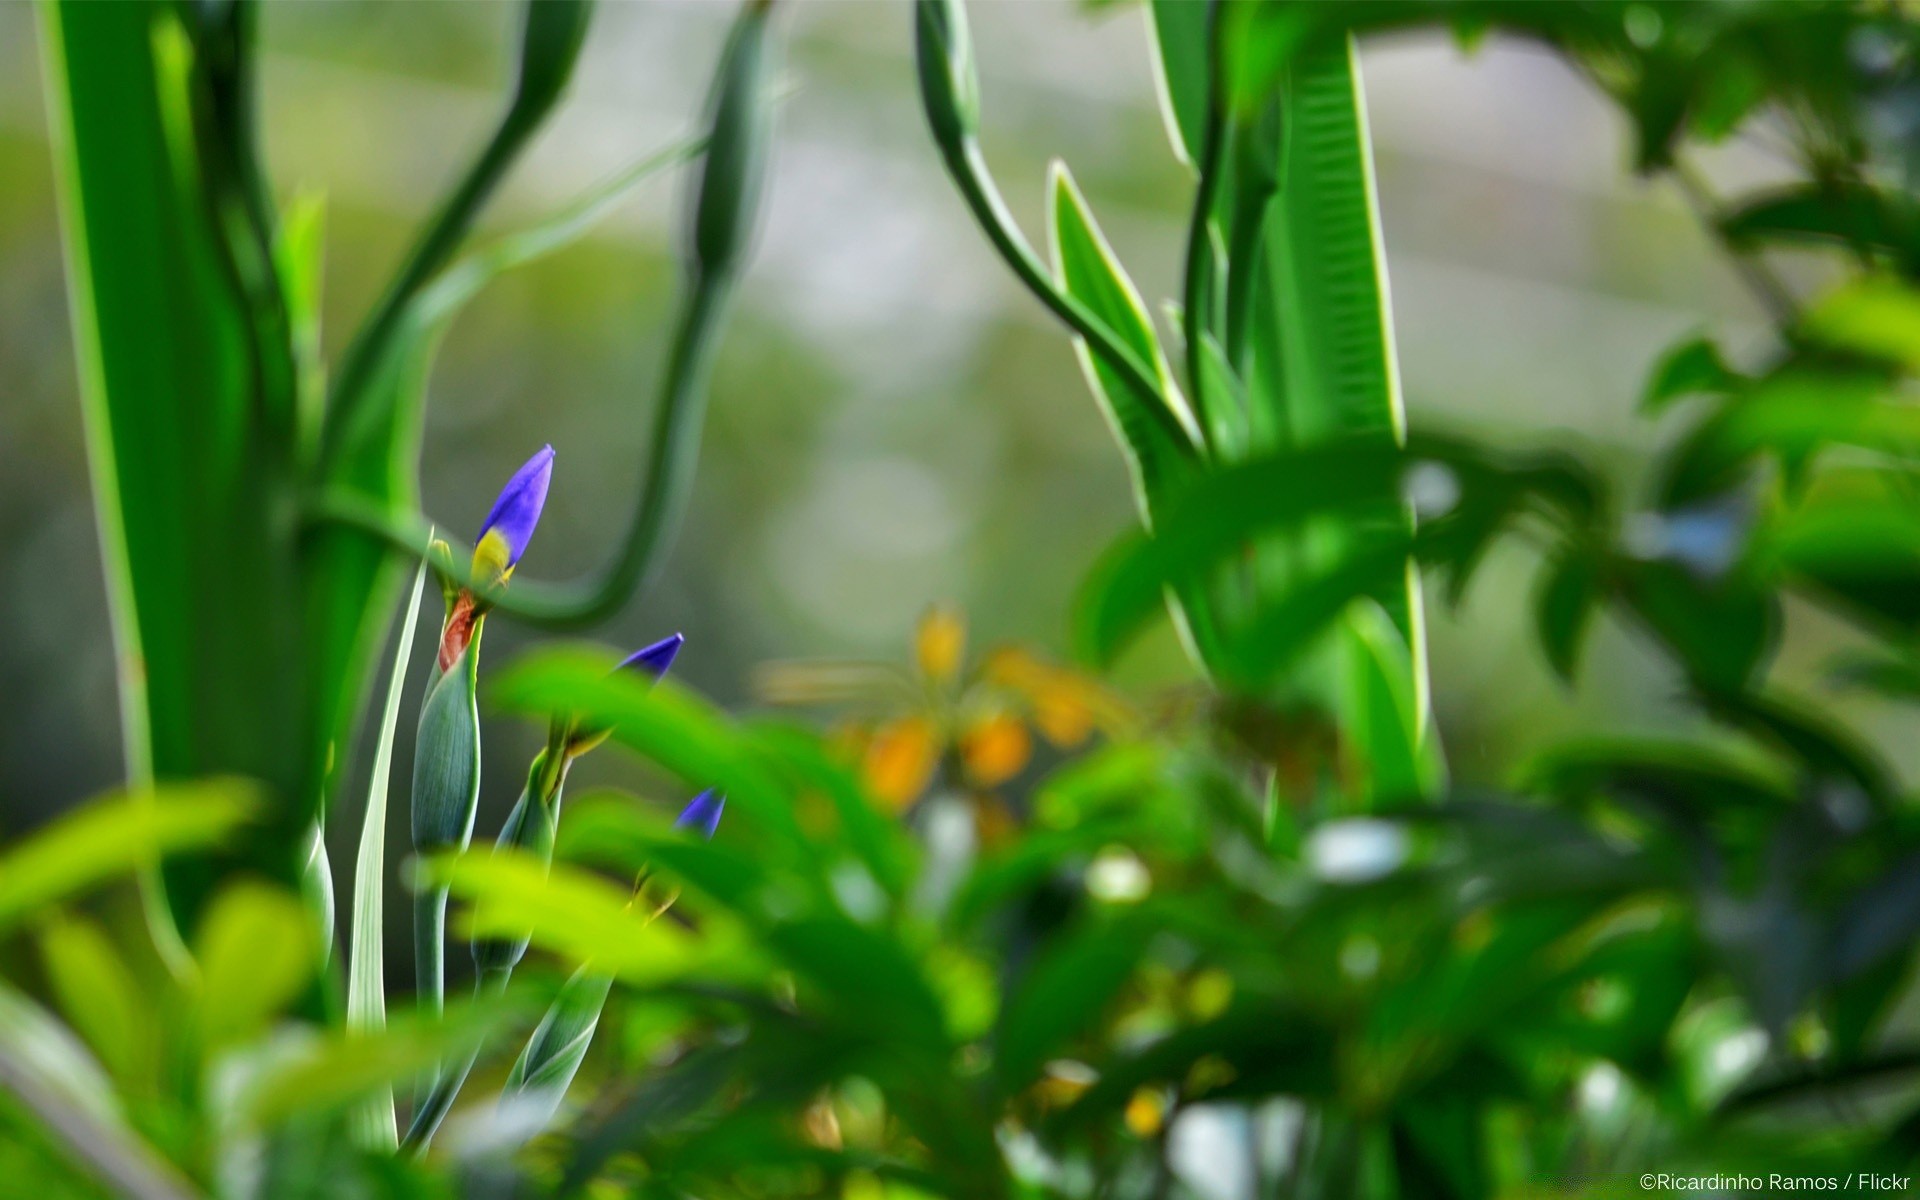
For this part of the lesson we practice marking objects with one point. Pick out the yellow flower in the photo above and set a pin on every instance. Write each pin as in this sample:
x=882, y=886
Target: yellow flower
x=940, y=643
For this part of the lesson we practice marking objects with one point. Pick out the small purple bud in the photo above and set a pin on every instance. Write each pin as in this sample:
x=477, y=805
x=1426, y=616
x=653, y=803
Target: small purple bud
x=655, y=659
x=509, y=525
x=703, y=813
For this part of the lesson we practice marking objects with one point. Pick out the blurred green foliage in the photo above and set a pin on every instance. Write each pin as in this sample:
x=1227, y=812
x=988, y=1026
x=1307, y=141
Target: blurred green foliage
x=1243, y=939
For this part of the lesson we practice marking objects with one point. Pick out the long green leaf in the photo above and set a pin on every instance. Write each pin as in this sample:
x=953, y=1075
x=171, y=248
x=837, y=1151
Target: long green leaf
x=55, y=1079
x=115, y=836
x=1087, y=270
x=186, y=404
x=375, y=1125
x=1179, y=31
x=1323, y=361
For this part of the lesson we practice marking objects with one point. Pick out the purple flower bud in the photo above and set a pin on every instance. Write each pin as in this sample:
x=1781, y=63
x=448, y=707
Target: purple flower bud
x=509, y=525
x=655, y=659
x=702, y=813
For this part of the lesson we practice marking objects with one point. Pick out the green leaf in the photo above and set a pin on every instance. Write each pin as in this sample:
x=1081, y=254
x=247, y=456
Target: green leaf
x=1563, y=609
x=1213, y=519
x=576, y=914
x=256, y=948
x=1720, y=631
x=545, y=1069
x=1824, y=213
x=1181, y=72
x=1858, y=555
x=1791, y=417
x=97, y=993
x=1085, y=265
x=376, y=1126
x=1877, y=316
x=114, y=836
x=1691, y=368
x=1391, y=746
x=868, y=982
x=1061, y=997
x=665, y=722
x=347, y=1067
x=188, y=408
x=52, y=1077
x=33, y=1038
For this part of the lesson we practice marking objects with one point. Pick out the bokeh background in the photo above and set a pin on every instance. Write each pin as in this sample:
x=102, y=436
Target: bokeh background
x=894, y=422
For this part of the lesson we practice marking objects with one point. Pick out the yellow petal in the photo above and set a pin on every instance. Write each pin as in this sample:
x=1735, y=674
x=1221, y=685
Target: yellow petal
x=1145, y=1112
x=940, y=643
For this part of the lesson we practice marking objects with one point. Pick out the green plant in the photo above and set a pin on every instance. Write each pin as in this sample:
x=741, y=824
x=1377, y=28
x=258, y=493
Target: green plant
x=1254, y=945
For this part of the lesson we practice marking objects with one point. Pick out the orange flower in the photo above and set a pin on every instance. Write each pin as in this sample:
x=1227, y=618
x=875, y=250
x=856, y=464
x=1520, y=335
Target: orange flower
x=994, y=749
x=900, y=759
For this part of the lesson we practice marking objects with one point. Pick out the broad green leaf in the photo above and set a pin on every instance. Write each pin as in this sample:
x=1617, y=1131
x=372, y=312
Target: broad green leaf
x=1060, y=998
x=1291, y=625
x=1085, y=265
x=1217, y=516
x=256, y=948
x=1828, y=212
x=609, y=830
x=366, y=964
x=114, y=836
x=1824, y=749
x=868, y=981
x=345, y=1067
x=1792, y=416
x=1860, y=555
x=1691, y=368
x=664, y=721
x=1877, y=315
x=1720, y=631
x=1181, y=72
x=1323, y=363
x=1326, y=262
x=576, y=914
x=98, y=995
x=1563, y=608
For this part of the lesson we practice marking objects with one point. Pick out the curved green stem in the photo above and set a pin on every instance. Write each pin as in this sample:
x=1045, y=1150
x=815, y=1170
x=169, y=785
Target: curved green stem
x=670, y=464
x=968, y=168
x=351, y=394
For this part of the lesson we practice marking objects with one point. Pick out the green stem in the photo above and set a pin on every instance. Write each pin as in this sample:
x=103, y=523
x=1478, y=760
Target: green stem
x=433, y=1107
x=430, y=948
x=671, y=457
x=351, y=394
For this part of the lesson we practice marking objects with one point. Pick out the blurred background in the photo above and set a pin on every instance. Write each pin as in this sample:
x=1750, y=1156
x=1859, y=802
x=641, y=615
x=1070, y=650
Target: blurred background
x=894, y=422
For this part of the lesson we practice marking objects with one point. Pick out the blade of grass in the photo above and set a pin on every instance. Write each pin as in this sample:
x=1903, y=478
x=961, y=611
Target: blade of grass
x=374, y=1124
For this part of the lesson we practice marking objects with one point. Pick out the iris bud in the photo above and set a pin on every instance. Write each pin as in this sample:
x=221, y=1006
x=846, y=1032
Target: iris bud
x=702, y=813
x=510, y=523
